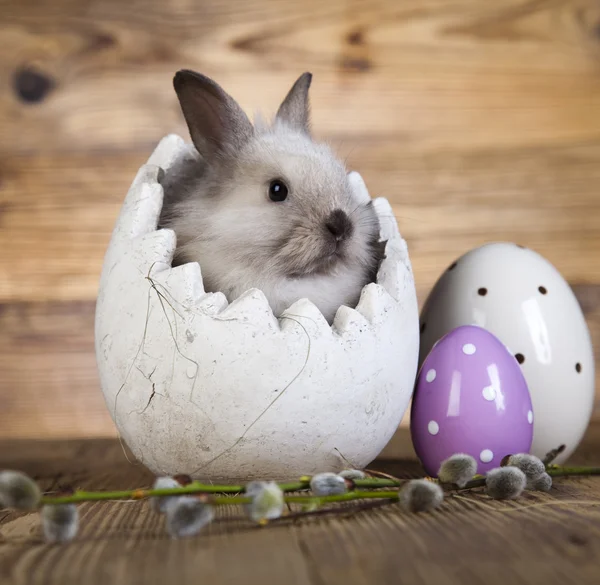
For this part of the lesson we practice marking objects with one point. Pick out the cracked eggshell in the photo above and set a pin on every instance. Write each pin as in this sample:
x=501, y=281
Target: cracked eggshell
x=227, y=391
x=522, y=299
x=470, y=397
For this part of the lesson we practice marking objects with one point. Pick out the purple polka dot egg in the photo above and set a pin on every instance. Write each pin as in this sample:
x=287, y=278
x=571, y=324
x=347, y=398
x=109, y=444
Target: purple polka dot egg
x=470, y=397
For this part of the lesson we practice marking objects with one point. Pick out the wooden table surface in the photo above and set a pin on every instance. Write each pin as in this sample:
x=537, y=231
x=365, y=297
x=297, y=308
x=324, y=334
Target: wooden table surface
x=543, y=539
x=479, y=121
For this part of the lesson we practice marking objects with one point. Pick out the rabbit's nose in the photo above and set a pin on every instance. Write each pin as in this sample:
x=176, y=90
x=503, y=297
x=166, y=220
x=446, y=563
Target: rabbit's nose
x=339, y=225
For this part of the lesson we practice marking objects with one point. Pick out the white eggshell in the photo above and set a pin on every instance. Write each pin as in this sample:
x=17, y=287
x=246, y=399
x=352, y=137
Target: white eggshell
x=521, y=298
x=227, y=391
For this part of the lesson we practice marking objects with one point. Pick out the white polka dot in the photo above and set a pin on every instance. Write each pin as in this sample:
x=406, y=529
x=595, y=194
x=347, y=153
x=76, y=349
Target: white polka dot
x=530, y=417
x=489, y=393
x=486, y=455
x=431, y=374
x=469, y=349
x=433, y=427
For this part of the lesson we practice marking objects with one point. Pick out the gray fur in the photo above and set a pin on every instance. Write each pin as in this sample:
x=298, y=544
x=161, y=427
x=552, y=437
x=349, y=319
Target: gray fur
x=267, y=500
x=505, y=483
x=295, y=110
x=18, y=491
x=421, y=495
x=60, y=523
x=217, y=203
x=161, y=504
x=458, y=469
x=187, y=516
x=218, y=126
x=542, y=483
x=530, y=465
x=328, y=484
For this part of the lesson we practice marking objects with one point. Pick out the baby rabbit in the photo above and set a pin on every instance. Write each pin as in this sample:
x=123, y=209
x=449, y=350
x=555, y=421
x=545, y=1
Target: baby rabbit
x=265, y=206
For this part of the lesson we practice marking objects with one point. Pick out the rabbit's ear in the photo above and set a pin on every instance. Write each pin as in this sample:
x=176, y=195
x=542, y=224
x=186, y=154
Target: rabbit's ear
x=295, y=109
x=217, y=124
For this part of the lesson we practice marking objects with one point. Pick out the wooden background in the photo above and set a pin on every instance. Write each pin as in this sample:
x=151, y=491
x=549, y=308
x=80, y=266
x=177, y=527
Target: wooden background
x=480, y=121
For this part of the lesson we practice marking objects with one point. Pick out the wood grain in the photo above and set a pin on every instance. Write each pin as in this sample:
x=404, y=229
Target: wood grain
x=478, y=121
x=58, y=211
x=512, y=73
x=50, y=387
x=49, y=384
x=540, y=538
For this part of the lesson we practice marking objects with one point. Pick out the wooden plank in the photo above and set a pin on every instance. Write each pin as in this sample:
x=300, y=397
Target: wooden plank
x=470, y=539
x=478, y=122
x=511, y=73
x=57, y=212
x=463, y=108
x=49, y=385
x=56, y=217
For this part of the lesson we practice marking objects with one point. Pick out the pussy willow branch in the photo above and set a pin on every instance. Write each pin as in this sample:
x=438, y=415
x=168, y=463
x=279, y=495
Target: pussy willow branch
x=198, y=488
x=347, y=497
x=216, y=500
x=552, y=455
x=552, y=471
x=303, y=484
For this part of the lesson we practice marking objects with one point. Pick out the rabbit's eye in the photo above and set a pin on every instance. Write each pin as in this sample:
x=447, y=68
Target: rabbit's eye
x=278, y=190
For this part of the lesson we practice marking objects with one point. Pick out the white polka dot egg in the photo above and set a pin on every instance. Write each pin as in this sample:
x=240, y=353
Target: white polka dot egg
x=521, y=298
x=470, y=397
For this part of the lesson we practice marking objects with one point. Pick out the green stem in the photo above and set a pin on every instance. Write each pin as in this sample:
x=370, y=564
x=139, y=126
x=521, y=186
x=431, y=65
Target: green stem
x=78, y=497
x=300, y=485
x=194, y=488
x=553, y=471
x=347, y=497
x=474, y=483
x=556, y=471
x=379, y=483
